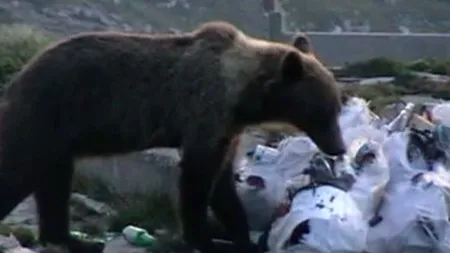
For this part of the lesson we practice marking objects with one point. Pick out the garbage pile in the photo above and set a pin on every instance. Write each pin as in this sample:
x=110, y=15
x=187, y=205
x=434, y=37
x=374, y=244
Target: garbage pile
x=390, y=193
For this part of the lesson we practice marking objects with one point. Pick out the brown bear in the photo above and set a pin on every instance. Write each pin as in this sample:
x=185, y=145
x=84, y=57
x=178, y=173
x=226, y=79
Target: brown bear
x=106, y=93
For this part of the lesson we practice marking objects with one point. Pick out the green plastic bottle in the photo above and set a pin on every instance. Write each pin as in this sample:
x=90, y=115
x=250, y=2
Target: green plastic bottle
x=138, y=236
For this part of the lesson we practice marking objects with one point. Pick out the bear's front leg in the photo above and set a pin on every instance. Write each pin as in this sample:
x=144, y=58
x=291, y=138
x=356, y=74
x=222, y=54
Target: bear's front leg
x=229, y=211
x=198, y=169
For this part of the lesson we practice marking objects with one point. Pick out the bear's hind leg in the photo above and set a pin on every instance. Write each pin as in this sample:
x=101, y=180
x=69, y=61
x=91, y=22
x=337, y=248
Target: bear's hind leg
x=52, y=195
x=17, y=174
x=14, y=188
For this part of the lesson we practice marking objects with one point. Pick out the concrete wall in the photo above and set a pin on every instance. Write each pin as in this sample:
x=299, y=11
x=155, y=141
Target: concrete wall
x=337, y=49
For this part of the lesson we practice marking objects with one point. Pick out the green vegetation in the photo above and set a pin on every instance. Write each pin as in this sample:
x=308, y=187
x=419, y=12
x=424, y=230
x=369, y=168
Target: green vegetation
x=25, y=236
x=18, y=43
x=382, y=66
x=147, y=211
x=405, y=82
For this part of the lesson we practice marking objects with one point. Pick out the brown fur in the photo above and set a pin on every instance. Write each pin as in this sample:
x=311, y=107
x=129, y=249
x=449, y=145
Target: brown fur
x=106, y=93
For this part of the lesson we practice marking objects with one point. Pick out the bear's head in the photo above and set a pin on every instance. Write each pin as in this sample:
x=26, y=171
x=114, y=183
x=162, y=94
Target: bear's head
x=305, y=93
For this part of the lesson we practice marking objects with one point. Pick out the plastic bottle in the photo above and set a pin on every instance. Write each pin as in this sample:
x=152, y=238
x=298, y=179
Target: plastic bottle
x=138, y=236
x=400, y=122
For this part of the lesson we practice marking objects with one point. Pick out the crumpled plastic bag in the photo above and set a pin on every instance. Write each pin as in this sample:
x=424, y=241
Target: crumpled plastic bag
x=260, y=202
x=414, y=211
x=371, y=178
x=261, y=198
x=295, y=154
x=335, y=223
x=441, y=113
x=358, y=130
x=354, y=113
x=333, y=220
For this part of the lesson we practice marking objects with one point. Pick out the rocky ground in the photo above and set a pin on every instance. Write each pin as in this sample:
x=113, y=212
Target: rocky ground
x=87, y=215
x=18, y=232
x=70, y=16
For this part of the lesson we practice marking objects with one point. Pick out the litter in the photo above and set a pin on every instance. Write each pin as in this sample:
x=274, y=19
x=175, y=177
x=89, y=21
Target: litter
x=138, y=236
x=322, y=217
x=395, y=197
x=414, y=209
x=9, y=244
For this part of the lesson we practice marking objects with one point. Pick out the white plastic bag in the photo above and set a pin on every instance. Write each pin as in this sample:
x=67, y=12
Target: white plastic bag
x=261, y=191
x=414, y=211
x=260, y=203
x=334, y=220
x=441, y=113
x=295, y=154
x=354, y=113
x=370, y=182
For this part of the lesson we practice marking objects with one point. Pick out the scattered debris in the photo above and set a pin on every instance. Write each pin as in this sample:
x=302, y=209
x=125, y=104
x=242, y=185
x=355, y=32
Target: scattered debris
x=9, y=244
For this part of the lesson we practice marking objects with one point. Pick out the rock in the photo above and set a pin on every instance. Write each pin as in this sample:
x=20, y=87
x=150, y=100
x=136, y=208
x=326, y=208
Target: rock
x=92, y=205
x=9, y=244
x=86, y=214
x=23, y=214
x=120, y=245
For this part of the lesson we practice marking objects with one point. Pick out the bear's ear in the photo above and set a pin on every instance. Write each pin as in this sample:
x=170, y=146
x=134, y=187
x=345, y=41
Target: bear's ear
x=292, y=67
x=302, y=43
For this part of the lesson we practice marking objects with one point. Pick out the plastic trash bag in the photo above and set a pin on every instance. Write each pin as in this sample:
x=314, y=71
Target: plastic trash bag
x=261, y=188
x=264, y=180
x=332, y=217
x=323, y=218
x=355, y=112
x=372, y=175
x=295, y=156
x=441, y=114
x=414, y=210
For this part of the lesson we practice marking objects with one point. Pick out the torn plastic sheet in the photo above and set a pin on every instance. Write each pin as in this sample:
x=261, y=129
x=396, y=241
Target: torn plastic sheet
x=415, y=207
x=356, y=113
x=334, y=221
x=263, y=186
x=372, y=176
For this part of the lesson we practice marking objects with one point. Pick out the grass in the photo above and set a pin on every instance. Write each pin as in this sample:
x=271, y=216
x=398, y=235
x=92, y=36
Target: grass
x=18, y=44
x=149, y=211
x=25, y=236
